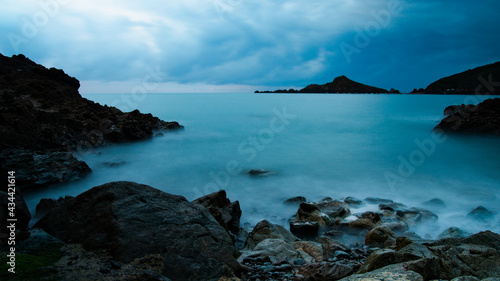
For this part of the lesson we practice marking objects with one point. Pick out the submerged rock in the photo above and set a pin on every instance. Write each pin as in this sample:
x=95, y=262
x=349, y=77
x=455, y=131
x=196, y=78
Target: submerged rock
x=481, y=213
x=295, y=201
x=131, y=221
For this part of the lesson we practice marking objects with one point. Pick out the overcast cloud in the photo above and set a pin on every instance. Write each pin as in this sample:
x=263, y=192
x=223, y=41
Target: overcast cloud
x=242, y=45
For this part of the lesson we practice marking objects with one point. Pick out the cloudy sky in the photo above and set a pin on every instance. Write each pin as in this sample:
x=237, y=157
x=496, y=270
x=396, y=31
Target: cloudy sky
x=244, y=45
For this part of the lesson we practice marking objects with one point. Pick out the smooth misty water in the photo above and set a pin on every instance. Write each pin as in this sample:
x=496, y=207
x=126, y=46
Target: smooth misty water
x=333, y=145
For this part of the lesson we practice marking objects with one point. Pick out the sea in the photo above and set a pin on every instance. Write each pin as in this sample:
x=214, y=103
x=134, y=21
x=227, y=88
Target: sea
x=311, y=145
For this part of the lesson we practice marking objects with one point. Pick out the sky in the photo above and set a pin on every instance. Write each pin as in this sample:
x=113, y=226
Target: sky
x=245, y=45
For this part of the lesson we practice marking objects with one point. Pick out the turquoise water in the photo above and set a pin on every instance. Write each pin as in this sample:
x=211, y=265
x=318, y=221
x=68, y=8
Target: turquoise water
x=313, y=145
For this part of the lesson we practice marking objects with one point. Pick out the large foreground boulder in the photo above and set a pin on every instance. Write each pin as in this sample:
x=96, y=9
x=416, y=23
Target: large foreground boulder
x=131, y=220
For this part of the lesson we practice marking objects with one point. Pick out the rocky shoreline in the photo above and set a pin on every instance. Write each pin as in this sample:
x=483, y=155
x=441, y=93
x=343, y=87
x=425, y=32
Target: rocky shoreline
x=129, y=231
x=481, y=119
x=45, y=123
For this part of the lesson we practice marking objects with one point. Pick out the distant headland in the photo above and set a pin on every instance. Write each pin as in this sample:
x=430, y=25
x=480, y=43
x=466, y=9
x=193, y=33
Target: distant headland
x=483, y=80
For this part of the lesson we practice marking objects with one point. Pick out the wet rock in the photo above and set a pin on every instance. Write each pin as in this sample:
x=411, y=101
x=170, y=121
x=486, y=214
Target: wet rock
x=330, y=247
x=312, y=249
x=309, y=212
x=130, y=221
x=361, y=225
x=480, y=119
x=435, y=203
x=481, y=214
x=374, y=200
x=476, y=255
x=353, y=202
x=453, y=232
x=334, y=209
x=304, y=229
x=226, y=213
x=392, y=207
x=258, y=172
x=372, y=216
x=325, y=271
x=36, y=168
x=295, y=201
x=452, y=109
x=265, y=230
x=389, y=273
x=378, y=236
x=47, y=204
x=273, y=249
x=415, y=216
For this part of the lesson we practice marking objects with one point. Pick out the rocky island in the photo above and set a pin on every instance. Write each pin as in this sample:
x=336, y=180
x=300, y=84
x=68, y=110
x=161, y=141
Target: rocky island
x=339, y=85
x=44, y=121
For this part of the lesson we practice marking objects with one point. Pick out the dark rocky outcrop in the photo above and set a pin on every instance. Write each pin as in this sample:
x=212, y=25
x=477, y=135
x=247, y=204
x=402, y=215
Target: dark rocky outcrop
x=131, y=221
x=226, y=213
x=44, y=120
x=342, y=84
x=483, y=119
x=481, y=80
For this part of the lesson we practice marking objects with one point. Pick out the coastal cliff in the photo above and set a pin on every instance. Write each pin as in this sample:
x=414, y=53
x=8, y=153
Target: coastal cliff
x=44, y=121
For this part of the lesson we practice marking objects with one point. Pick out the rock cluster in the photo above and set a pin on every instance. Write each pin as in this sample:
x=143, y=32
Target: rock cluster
x=129, y=231
x=483, y=118
x=44, y=121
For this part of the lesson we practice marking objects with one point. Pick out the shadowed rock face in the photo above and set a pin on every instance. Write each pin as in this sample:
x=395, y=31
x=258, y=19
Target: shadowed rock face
x=41, y=113
x=342, y=84
x=483, y=119
x=131, y=220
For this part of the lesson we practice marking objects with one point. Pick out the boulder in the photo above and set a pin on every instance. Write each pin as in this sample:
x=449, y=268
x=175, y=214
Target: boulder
x=483, y=118
x=266, y=230
x=334, y=209
x=309, y=212
x=304, y=229
x=361, y=225
x=274, y=249
x=226, y=213
x=131, y=220
x=330, y=247
x=295, y=201
x=312, y=249
x=481, y=214
x=354, y=202
x=47, y=204
x=435, y=203
x=477, y=255
x=453, y=232
x=378, y=236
